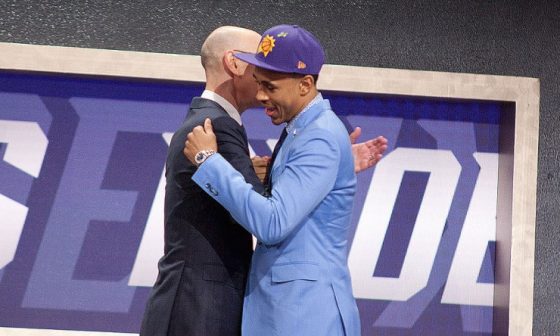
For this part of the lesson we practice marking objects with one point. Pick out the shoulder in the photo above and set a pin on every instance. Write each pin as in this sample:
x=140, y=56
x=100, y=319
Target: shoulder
x=225, y=122
x=203, y=109
x=327, y=125
x=325, y=133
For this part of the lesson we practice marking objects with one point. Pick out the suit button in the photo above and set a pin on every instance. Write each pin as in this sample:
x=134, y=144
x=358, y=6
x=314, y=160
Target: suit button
x=211, y=189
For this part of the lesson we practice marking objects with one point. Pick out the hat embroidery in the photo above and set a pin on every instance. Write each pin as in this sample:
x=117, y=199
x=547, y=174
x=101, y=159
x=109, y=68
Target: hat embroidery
x=301, y=65
x=266, y=45
x=282, y=34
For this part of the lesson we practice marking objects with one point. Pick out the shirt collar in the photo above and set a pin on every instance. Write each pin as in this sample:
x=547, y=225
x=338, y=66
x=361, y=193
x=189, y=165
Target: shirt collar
x=291, y=124
x=230, y=109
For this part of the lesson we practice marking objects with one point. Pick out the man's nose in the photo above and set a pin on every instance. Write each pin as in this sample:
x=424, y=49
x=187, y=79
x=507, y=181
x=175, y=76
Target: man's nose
x=261, y=96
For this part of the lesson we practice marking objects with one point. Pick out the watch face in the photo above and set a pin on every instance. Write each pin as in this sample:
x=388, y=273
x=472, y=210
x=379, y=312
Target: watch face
x=200, y=156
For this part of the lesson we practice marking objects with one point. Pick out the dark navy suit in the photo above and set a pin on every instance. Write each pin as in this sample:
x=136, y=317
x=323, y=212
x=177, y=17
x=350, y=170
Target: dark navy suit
x=202, y=275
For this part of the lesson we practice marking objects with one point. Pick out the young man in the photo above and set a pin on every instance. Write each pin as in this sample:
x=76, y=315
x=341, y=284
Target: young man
x=299, y=283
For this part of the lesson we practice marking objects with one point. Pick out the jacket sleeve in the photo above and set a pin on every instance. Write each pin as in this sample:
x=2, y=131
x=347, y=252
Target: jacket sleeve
x=309, y=174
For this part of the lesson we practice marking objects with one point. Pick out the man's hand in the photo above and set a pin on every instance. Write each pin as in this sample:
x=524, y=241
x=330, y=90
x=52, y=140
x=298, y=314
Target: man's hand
x=366, y=154
x=201, y=138
x=259, y=164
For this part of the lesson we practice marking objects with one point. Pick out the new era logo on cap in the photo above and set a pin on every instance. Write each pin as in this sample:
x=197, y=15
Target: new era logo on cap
x=289, y=49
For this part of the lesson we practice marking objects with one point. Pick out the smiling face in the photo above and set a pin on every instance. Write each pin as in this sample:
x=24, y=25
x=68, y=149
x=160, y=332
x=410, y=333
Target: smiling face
x=283, y=95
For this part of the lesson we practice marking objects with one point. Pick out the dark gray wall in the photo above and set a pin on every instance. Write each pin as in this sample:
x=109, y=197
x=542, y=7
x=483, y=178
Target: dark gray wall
x=514, y=38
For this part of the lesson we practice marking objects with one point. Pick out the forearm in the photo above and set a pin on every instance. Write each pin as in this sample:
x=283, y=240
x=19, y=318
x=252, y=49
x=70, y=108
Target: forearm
x=307, y=176
x=259, y=215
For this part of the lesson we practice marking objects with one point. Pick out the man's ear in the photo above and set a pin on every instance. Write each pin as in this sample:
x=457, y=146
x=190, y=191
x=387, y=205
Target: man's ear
x=231, y=65
x=306, y=84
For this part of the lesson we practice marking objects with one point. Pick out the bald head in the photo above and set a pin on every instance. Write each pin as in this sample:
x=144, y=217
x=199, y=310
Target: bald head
x=223, y=39
x=226, y=75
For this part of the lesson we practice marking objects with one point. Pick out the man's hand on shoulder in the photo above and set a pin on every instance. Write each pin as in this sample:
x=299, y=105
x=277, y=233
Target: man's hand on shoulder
x=200, y=143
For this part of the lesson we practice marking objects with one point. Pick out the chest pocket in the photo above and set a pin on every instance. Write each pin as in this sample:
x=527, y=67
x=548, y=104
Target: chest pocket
x=296, y=271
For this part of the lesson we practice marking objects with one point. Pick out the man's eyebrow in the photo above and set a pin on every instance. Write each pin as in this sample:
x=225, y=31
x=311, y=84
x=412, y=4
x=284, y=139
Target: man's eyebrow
x=265, y=82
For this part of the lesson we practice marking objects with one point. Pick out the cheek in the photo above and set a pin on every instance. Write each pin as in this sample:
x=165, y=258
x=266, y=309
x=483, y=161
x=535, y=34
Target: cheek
x=249, y=82
x=288, y=102
x=252, y=88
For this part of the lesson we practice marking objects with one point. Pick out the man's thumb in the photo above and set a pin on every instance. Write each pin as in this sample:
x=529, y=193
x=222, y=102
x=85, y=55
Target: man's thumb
x=355, y=135
x=208, y=126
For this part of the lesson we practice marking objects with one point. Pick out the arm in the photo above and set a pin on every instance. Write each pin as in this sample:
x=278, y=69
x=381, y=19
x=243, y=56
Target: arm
x=308, y=177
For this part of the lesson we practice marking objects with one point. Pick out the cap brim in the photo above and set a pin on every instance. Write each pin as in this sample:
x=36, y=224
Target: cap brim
x=252, y=59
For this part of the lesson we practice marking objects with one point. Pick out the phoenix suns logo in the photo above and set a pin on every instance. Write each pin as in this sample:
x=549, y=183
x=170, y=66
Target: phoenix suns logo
x=266, y=45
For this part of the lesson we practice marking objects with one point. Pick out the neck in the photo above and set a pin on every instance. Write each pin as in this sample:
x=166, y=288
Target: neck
x=305, y=101
x=226, y=90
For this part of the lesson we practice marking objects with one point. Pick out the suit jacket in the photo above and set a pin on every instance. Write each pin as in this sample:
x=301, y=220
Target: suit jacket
x=299, y=283
x=202, y=275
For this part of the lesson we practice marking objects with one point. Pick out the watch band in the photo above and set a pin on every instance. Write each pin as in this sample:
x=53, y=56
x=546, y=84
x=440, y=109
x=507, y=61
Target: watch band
x=202, y=155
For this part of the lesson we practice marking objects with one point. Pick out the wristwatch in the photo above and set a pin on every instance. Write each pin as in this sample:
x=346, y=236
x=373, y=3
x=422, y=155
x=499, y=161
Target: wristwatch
x=201, y=156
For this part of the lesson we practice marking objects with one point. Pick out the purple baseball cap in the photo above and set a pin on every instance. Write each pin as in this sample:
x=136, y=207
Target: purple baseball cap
x=288, y=49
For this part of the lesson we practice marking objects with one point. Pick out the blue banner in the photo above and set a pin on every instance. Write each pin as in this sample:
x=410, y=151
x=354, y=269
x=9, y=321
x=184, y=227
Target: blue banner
x=81, y=187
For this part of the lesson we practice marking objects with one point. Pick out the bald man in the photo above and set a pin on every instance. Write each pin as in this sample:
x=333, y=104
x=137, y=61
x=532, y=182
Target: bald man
x=202, y=275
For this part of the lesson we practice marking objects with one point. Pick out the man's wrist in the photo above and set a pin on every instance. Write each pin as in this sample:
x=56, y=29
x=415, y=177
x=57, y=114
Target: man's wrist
x=203, y=155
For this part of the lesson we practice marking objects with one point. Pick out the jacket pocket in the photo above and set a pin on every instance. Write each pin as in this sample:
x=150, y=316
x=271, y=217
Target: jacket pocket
x=295, y=271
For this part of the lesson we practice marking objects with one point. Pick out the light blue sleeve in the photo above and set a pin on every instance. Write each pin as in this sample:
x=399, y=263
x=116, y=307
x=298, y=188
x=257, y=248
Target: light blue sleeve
x=310, y=173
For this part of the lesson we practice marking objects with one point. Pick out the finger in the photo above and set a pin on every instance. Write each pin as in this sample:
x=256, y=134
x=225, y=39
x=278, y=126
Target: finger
x=189, y=141
x=355, y=135
x=187, y=149
x=382, y=149
x=383, y=140
x=380, y=139
x=258, y=162
x=378, y=145
x=197, y=130
x=208, y=126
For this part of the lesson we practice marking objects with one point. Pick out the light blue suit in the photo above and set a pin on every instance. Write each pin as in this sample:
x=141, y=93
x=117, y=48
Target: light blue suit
x=299, y=283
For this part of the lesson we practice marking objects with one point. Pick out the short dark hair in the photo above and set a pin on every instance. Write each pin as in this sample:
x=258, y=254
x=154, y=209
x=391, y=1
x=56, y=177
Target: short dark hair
x=315, y=77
